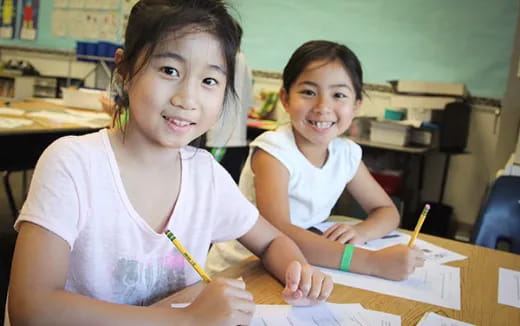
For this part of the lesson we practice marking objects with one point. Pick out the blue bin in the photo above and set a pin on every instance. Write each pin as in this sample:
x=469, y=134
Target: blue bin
x=107, y=49
x=86, y=48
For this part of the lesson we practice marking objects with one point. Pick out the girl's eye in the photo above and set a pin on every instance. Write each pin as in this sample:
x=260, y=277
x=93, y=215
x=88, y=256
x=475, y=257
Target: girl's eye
x=210, y=81
x=339, y=95
x=307, y=92
x=170, y=71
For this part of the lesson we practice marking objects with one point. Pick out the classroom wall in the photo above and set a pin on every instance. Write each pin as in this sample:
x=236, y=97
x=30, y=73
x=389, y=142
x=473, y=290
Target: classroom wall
x=467, y=41
x=510, y=116
x=443, y=40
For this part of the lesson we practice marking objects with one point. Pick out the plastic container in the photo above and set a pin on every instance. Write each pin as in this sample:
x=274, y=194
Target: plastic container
x=389, y=133
x=393, y=114
x=82, y=98
x=107, y=49
x=86, y=48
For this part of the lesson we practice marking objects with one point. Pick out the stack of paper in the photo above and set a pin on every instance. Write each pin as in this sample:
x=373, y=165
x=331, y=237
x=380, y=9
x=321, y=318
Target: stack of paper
x=9, y=123
x=87, y=119
x=433, y=283
x=433, y=319
x=326, y=314
x=509, y=287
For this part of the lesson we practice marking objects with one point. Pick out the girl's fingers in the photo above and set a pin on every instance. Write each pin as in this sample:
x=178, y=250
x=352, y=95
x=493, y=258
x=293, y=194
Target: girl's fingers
x=306, y=280
x=293, y=276
x=317, y=284
x=242, y=305
x=241, y=317
x=236, y=283
x=327, y=232
x=326, y=288
x=346, y=237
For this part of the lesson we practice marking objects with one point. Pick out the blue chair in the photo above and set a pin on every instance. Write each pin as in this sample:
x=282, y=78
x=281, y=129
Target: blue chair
x=499, y=220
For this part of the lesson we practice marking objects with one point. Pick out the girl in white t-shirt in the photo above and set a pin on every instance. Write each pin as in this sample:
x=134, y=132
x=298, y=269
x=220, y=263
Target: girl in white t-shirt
x=92, y=248
x=296, y=174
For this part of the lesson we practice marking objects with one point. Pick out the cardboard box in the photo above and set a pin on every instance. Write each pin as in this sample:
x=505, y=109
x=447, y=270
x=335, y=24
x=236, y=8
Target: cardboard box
x=420, y=102
x=433, y=88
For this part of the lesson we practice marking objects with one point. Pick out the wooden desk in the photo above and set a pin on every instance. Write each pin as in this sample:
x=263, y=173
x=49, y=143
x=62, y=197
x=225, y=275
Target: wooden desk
x=479, y=288
x=21, y=147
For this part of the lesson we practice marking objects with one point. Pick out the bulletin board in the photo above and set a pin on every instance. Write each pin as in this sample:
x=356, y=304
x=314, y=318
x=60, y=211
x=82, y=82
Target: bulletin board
x=58, y=24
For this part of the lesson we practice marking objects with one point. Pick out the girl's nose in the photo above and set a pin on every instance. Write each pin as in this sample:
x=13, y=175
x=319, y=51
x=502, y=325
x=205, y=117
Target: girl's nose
x=322, y=105
x=184, y=96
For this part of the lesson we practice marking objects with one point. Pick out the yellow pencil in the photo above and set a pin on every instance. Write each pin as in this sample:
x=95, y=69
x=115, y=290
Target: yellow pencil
x=205, y=277
x=425, y=211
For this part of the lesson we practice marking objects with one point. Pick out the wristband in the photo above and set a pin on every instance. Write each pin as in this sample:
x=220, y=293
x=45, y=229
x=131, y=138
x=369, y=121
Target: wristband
x=347, y=258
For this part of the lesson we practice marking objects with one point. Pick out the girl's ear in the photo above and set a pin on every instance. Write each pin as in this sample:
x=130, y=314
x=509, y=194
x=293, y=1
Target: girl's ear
x=357, y=106
x=284, y=98
x=119, y=55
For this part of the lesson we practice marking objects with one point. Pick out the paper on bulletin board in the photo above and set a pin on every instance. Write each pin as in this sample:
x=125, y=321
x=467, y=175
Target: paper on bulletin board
x=91, y=20
x=30, y=13
x=77, y=4
x=127, y=5
x=109, y=24
x=61, y=3
x=74, y=23
x=8, y=18
x=110, y=4
x=59, y=22
x=94, y=4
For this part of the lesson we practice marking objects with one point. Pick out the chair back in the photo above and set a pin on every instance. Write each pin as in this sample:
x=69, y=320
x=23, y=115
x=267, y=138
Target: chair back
x=499, y=219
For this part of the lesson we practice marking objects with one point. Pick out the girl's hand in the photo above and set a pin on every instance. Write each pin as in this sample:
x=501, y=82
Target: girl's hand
x=306, y=285
x=223, y=302
x=396, y=262
x=345, y=233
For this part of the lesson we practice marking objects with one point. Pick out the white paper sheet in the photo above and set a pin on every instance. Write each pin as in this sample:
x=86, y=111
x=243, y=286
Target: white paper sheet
x=433, y=283
x=87, y=119
x=431, y=252
x=9, y=123
x=327, y=314
x=509, y=287
x=433, y=319
x=11, y=111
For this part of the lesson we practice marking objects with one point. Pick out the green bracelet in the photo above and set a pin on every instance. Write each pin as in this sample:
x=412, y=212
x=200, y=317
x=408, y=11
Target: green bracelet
x=347, y=258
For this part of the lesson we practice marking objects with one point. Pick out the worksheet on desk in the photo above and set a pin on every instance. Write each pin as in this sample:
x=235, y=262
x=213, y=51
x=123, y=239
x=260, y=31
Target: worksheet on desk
x=433, y=319
x=432, y=253
x=433, y=283
x=328, y=314
x=8, y=123
x=509, y=287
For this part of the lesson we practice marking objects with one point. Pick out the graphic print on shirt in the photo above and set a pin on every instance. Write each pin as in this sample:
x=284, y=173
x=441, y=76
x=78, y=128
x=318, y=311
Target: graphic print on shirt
x=143, y=283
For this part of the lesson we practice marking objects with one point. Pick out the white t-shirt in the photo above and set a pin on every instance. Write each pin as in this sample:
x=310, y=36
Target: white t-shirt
x=231, y=129
x=77, y=193
x=312, y=191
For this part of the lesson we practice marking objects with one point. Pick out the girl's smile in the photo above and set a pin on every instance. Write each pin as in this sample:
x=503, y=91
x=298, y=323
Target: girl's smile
x=178, y=124
x=321, y=126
